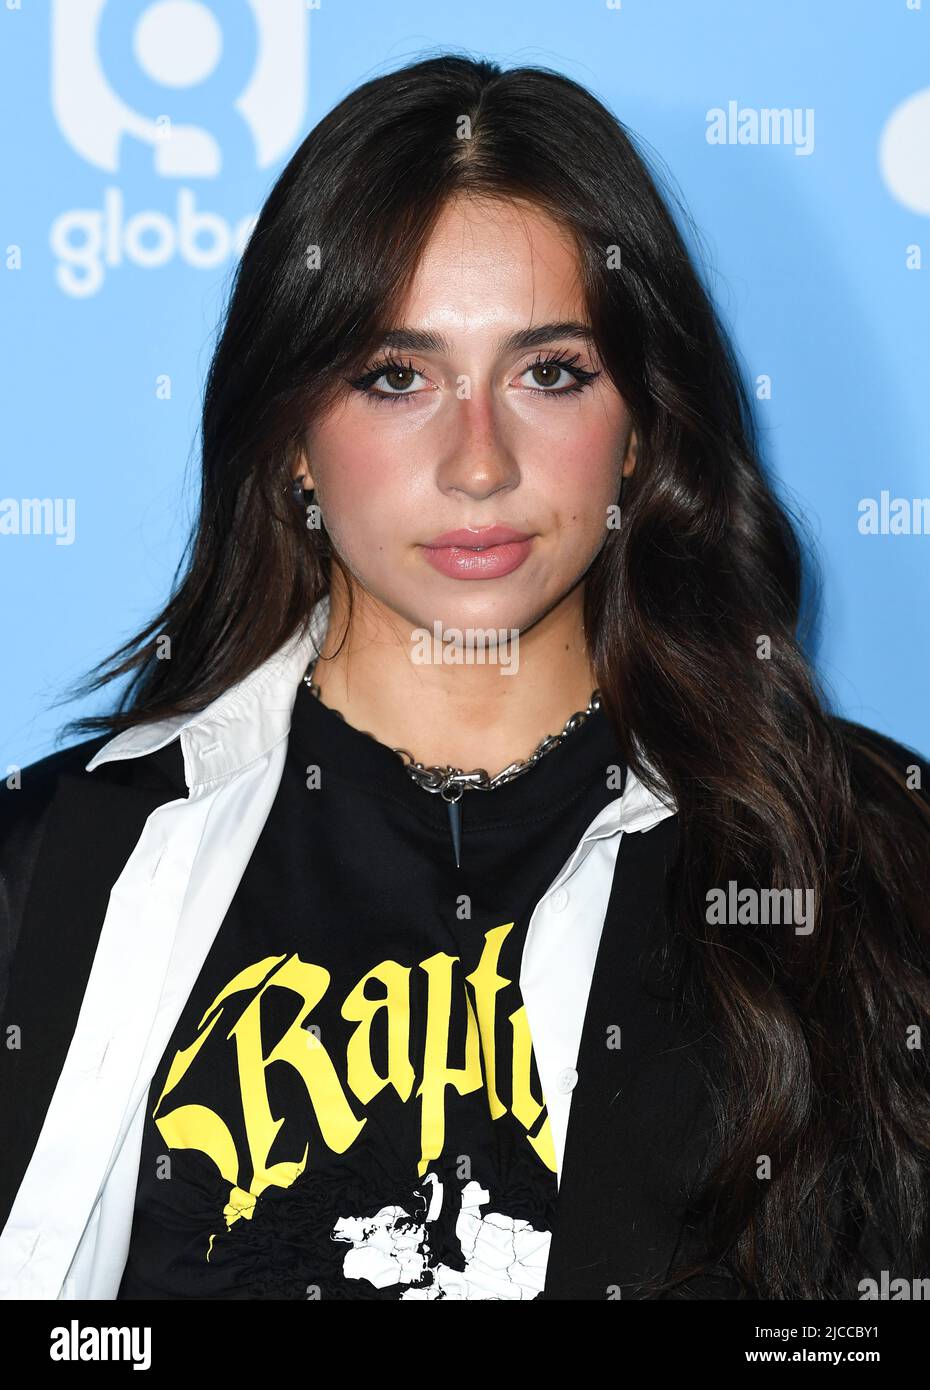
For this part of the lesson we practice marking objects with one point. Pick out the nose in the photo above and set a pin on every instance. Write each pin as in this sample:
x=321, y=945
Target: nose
x=477, y=459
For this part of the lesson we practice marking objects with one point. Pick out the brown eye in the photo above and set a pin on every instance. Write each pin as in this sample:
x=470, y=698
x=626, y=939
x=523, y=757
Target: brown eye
x=388, y=380
x=547, y=373
x=399, y=378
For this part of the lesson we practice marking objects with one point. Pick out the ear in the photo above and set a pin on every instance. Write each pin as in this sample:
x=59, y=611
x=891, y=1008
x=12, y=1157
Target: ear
x=301, y=469
x=629, y=463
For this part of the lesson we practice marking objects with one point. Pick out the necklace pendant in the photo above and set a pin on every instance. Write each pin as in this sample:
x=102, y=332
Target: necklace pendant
x=455, y=826
x=442, y=779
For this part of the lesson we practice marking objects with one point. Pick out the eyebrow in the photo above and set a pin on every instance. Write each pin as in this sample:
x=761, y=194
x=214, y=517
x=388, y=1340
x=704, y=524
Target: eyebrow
x=416, y=340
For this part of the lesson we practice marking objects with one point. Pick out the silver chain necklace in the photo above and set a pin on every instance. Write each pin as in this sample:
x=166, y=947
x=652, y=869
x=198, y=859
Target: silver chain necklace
x=451, y=782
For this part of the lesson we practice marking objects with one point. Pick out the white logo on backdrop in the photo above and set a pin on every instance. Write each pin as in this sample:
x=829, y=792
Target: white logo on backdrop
x=904, y=152
x=175, y=90
x=178, y=45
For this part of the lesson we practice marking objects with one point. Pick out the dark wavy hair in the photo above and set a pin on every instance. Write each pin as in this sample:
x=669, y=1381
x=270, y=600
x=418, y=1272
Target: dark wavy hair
x=772, y=789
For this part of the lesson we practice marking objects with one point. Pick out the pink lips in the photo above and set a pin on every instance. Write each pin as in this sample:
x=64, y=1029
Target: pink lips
x=483, y=552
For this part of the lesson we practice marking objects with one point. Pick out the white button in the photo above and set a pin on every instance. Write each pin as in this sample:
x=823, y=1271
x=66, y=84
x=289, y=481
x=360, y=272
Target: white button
x=559, y=900
x=566, y=1080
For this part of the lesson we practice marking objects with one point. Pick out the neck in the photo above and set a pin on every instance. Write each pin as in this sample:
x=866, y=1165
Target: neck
x=467, y=714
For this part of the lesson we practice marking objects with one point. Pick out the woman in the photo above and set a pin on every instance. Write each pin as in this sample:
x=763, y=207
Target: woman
x=348, y=1002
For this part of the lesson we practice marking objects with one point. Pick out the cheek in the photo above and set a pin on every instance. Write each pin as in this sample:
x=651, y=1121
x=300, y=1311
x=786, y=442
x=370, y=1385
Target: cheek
x=361, y=490
x=583, y=480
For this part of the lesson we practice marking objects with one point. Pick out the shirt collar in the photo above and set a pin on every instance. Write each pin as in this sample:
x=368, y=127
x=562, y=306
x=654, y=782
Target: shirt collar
x=254, y=715
x=239, y=726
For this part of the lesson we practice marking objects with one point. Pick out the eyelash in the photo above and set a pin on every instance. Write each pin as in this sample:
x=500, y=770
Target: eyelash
x=583, y=377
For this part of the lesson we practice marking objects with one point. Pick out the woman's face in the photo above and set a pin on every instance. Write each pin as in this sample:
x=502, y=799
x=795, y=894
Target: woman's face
x=472, y=425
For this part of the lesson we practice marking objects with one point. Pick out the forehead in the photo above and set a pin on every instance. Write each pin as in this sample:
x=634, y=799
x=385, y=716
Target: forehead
x=489, y=263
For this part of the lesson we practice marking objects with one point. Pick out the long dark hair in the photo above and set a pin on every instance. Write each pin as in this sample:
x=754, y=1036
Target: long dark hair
x=693, y=610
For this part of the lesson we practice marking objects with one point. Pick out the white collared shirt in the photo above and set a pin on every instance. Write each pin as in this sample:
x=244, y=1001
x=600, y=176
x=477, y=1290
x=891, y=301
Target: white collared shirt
x=67, y=1235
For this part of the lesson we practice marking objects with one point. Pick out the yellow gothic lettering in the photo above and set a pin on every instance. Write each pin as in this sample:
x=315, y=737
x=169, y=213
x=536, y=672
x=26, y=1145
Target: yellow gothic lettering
x=196, y=1126
x=486, y=983
x=338, y=1125
x=362, y=1079
x=437, y=1074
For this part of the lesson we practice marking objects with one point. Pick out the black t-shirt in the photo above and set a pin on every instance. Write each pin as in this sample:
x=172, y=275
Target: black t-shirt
x=349, y=1105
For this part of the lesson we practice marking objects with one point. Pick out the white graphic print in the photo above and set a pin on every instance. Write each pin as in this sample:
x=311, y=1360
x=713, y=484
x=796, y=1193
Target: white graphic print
x=505, y=1258
x=120, y=67
x=902, y=152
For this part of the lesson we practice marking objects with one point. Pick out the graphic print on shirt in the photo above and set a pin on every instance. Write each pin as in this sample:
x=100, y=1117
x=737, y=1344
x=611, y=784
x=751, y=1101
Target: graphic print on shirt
x=504, y=1258
x=441, y=1233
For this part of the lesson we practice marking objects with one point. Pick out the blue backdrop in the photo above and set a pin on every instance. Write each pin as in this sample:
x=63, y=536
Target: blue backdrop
x=797, y=133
